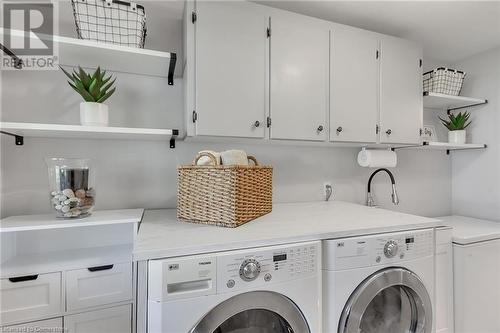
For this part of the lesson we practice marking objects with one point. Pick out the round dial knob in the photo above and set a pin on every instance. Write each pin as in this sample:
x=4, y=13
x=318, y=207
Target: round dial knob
x=390, y=249
x=249, y=270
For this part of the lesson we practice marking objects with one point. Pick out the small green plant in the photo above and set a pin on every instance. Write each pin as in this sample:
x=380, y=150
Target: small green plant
x=456, y=122
x=93, y=88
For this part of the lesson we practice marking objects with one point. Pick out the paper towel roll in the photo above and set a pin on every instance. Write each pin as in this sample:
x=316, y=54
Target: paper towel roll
x=377, y=158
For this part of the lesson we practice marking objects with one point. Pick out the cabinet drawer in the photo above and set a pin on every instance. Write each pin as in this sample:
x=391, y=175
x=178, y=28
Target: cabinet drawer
x=30, y=297
x=98, y=285
x=112, y=320
x=49, y=325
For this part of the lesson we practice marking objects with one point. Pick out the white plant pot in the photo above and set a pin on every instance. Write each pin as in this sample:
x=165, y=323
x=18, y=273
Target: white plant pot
x=93, y=114
x=457, y=137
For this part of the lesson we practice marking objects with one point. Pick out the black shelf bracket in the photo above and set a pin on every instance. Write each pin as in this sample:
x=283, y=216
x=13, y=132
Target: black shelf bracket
x=450, y=150
x=175, y=133
x=18, y=63
x=19, y=140
x=466, y=106
x=171, y=68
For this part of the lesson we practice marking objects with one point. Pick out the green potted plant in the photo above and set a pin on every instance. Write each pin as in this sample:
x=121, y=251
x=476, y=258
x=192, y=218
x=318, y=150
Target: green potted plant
x=456, y=124
x=95, y=88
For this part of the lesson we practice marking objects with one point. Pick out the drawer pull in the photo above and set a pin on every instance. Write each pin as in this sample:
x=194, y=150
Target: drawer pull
x=23, y=278
x=100, y=268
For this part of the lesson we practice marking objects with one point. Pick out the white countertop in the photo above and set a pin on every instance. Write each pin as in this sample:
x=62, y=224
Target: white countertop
x=161, y=235
x=50, y=221
x=467, y=230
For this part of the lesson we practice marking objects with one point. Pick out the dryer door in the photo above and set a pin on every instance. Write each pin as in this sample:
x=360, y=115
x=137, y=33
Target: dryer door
x=255, y=312
x=393, y=300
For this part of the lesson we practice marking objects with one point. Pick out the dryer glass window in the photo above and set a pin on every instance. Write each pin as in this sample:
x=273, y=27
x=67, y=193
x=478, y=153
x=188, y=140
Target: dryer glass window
x=255, y=321
x=392, y=300
x=390, y=311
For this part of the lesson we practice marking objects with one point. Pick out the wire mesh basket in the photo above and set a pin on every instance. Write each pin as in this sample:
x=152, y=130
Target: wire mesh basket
x=110, y=21
x=444, y=81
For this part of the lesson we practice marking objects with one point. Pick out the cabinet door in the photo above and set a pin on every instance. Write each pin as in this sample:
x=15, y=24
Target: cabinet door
x=354, y=86
x=299, y=78
x=401, y=109
x=476, y=273
x=231, y=56
x=112, y=320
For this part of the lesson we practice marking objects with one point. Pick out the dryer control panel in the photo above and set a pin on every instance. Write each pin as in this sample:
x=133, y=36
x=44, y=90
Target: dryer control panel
x=249, y=268
x=379, y=249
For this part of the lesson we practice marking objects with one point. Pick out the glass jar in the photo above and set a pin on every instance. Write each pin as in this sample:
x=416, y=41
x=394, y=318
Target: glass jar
x=71, y=185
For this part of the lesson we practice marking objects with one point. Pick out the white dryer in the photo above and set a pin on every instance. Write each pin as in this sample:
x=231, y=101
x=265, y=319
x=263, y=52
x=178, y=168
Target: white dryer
x=379, y=283
x=269, y=289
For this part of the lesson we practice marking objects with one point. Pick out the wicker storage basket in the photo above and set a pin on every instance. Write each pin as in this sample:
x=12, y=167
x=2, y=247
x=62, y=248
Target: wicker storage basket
x=222, y=195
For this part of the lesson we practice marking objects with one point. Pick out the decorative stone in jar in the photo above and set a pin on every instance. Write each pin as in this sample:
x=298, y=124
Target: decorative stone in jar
x=71, y=183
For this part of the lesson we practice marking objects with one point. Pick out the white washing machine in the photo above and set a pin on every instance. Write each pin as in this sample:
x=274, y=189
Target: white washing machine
x=268, y=289
x=379, y=283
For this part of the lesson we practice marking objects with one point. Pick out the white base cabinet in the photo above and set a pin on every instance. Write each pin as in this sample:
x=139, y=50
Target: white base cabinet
x=444, y=281
x=111, y=320
x=477, y=287
x=57, y=276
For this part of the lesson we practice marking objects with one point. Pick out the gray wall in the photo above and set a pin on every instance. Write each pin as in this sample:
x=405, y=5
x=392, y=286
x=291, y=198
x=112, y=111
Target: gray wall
x=143, y=174
x=475, y=174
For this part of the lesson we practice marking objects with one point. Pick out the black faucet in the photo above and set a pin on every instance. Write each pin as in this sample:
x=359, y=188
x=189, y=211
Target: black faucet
x=369, y=198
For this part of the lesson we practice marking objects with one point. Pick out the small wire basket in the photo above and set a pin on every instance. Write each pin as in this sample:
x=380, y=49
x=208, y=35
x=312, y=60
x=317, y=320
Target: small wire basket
x=110, y=21
x=444, y=81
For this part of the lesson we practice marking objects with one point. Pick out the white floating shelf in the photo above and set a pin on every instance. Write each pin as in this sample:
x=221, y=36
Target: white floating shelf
x=49, y=221
x=445, y=146
x=38, y=130
x=450, y=146
x=449, y=102
x=78, y=52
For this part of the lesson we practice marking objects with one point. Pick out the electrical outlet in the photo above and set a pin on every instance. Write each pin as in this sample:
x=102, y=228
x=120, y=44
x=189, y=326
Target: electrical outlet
x=327, y=190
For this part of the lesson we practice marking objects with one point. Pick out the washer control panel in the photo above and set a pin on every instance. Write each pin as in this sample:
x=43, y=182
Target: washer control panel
x=249, y=268
x=377, y=249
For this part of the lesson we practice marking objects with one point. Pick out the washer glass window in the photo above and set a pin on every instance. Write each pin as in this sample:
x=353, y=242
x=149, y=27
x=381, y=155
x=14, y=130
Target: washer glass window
x=254, y=312
x=255, y=321
x=393, y=300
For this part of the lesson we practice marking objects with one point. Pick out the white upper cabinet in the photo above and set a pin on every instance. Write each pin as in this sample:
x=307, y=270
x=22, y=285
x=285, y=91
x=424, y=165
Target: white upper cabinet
x=299, y=76
x=231, y=55
x=354, y=87
x=401, y=109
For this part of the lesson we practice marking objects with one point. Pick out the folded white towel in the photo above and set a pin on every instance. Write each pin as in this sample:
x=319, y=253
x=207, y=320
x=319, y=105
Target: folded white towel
x=206, y=160
x=234, y=157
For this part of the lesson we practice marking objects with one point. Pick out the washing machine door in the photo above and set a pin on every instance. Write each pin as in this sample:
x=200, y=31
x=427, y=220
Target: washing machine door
x=393, y=300
x=254, y=312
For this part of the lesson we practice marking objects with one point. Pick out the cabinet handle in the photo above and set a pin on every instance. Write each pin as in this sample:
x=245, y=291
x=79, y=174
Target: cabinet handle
x=100, y=268
x=23, y=278
x=388, y=132
x=339, y=129
x=257, y=123
x=320, y=128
